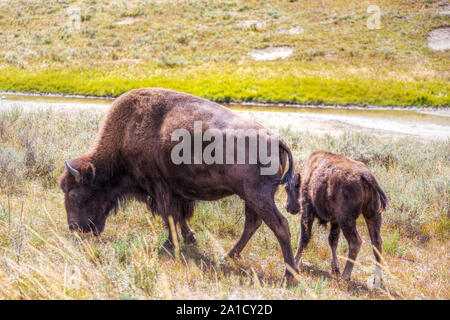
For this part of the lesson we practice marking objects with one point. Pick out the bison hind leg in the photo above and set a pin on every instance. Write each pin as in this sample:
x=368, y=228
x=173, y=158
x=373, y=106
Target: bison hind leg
x=333, y=240
x=252, y=223
x=269, y=213
x=348, y=227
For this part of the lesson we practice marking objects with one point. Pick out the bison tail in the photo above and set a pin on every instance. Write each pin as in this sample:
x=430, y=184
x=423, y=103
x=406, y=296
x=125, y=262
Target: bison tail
x=288, y=175
x=373, y=183
x=383, y=199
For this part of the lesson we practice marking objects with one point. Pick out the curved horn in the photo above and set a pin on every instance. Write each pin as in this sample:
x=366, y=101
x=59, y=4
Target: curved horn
x=74, y=172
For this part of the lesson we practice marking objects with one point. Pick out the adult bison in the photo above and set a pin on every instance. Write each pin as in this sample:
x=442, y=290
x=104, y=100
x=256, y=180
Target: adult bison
x=132, y=157
x=336, y=189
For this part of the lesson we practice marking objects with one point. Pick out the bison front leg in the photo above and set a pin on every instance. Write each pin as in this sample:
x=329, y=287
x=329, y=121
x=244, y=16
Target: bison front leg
x=173, y=237
x=252, y=223
x=187, y=211
x=187, y=233
x=171, y=210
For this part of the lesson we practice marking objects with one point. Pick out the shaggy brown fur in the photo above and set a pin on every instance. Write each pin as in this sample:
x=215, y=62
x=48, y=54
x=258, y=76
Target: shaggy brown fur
x=132, y=158
x=337, y=189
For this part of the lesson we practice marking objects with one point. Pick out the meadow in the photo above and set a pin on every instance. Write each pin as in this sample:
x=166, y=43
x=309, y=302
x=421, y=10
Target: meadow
x=41, y=259
x=204, y=47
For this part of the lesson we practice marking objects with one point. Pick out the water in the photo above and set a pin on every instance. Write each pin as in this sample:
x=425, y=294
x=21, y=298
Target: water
x=423, y=123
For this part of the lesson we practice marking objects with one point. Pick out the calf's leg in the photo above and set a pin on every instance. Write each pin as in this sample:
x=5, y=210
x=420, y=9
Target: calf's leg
x=373, y=222
x=252, y=223
x=348, y=226
x=333, y=239
x=306, y=223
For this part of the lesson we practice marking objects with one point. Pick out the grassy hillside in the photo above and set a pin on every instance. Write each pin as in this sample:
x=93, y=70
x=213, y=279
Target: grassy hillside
x=202, y=47
x=42, y=259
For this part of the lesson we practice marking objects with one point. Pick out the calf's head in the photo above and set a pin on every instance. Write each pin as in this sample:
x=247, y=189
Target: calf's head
x=293, y=192
x=87, y=205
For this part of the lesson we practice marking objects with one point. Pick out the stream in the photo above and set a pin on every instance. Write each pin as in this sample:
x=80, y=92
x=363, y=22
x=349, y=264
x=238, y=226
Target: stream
x=424, y=123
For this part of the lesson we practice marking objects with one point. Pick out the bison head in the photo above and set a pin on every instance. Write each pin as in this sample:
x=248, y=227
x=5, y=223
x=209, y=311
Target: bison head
x=293, y=192
x=87, y=205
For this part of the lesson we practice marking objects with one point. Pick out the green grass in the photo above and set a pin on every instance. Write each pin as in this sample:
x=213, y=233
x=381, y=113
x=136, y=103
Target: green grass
x=226, y=86
x=202, y=47
x=42, y=259
x=393, y=246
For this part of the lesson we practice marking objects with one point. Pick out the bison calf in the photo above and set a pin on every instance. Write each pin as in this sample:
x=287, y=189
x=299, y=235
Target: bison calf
x=336, y=189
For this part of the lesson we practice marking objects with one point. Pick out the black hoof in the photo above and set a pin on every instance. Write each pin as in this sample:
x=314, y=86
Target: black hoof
x=168, y=245
x=190, y=241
